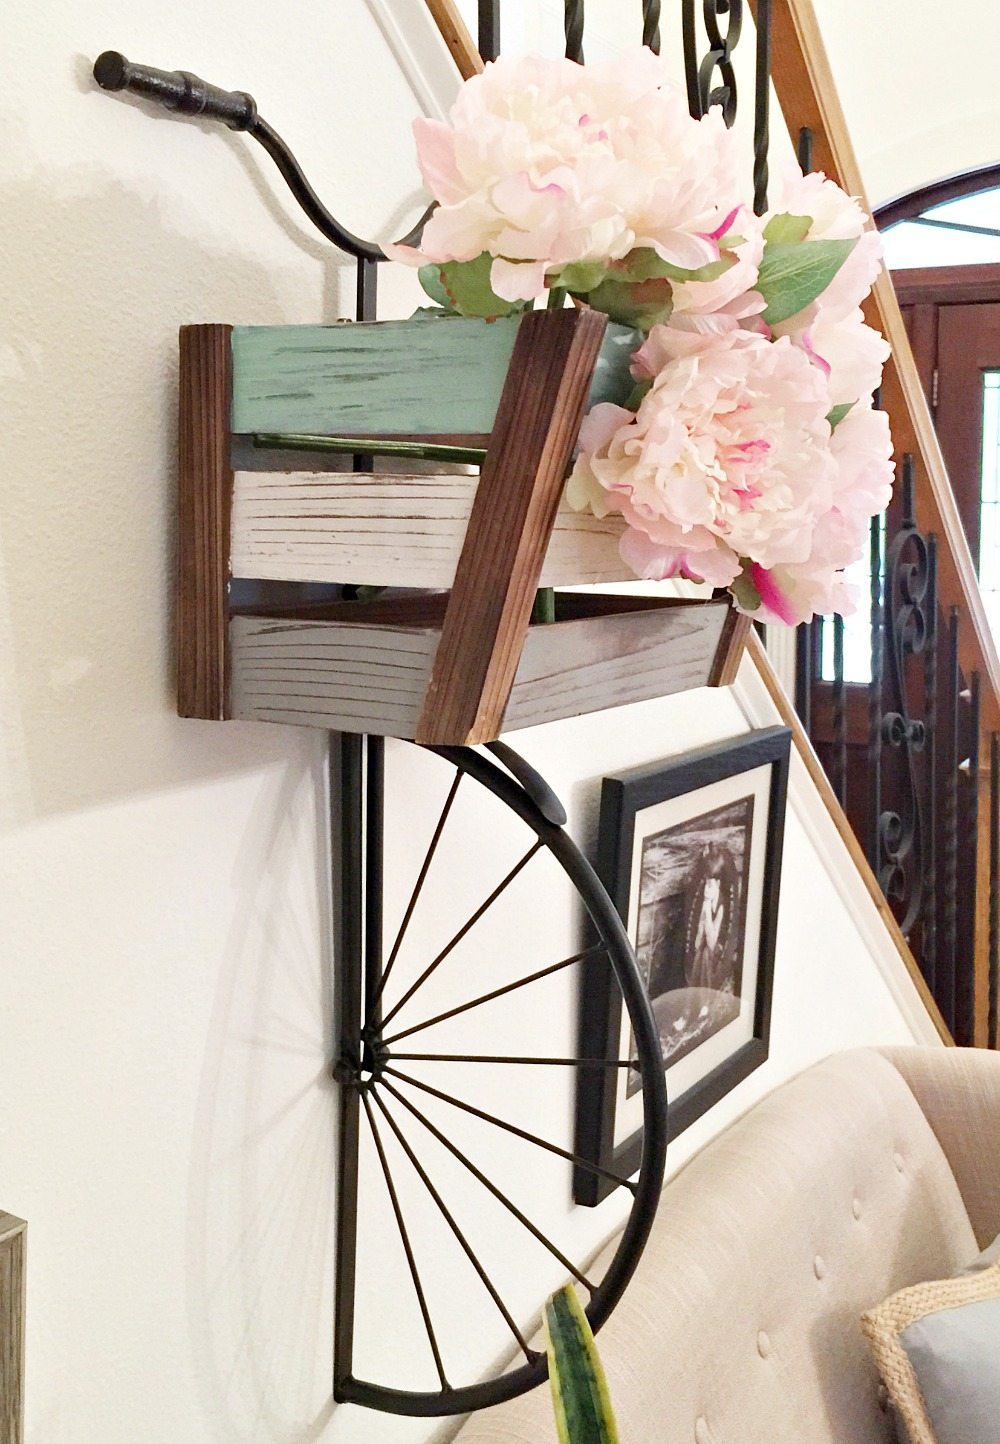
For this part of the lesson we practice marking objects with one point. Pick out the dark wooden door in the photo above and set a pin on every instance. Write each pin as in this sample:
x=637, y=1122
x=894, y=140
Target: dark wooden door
x=953, y=320
x=952, y=316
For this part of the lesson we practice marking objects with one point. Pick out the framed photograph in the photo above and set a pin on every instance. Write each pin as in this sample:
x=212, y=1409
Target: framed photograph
x=690, y=851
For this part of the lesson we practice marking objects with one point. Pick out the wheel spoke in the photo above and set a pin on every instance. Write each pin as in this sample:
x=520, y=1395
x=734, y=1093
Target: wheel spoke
x=529, y=1353
x=506, y=1058
x=418, y=887
x=407, y=1248
x=465, y=928
x=490, y=1186
x=576, y=1158
x=496, y=993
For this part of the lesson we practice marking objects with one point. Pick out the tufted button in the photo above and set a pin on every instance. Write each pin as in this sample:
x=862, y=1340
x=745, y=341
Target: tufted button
x=897, y=1159
x=702, y=1433
x=856, y=1208
x=819, y=1267
x=763, y=1345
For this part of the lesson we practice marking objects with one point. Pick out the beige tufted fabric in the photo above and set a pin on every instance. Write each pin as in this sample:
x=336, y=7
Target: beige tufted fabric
x=959, y=1092
x=741, y=1325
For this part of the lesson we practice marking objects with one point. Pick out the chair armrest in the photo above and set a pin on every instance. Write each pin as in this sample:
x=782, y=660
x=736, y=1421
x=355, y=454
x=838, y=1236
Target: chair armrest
x=958, y=1090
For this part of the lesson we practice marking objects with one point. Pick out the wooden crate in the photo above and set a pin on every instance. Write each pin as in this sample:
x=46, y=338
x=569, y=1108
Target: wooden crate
x=458, y=660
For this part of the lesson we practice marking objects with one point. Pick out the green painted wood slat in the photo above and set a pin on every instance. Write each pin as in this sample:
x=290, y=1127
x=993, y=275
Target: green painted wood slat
x=418, y=377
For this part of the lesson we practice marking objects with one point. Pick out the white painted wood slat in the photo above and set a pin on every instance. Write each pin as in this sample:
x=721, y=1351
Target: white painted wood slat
x=404, y=531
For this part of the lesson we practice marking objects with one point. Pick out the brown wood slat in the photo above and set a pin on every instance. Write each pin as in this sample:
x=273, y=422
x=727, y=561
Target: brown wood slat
x=205, y=488
x=611, y=655
x=12, y=1298
x=732, y=645
x=456, y=36
x=512, y=519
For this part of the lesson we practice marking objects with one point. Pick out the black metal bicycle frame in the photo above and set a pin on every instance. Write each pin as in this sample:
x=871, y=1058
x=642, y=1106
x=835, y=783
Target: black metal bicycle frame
x=357, y=762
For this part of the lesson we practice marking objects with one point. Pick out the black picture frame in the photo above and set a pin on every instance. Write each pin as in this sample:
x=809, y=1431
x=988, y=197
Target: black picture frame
x=625, y=797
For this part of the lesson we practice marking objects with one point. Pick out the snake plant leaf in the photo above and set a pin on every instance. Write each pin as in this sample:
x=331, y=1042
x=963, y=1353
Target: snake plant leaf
x=793, y=274
x=463, y=287
x=579, y=1389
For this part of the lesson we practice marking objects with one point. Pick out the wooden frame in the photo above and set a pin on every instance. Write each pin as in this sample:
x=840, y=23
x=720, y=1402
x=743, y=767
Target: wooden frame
x=13, y=1234
x=458, y=662
x=711, y=829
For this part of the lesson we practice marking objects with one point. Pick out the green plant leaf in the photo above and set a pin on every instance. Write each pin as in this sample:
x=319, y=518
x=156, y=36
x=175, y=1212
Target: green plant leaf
x=430, y=278
x=793, y=274
x=580, y=276
x=642, y=304
x=787, y=228
x=644, y=264
x=463, y=287
x=743, y=589
x=579, y=1389
x=836, y=416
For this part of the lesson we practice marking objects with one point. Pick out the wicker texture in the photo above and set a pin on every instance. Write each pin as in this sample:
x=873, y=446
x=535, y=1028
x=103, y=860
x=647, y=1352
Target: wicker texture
x=884, y=1325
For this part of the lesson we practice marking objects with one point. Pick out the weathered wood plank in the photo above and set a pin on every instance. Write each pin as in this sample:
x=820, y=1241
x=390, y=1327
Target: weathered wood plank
x=348, y=677
x=512, y=519
x=418, y=377
x=205, y=484
x=591, y=663
x=732, y=645
x=12, y=1303
x=371, y=676
x=404, y=531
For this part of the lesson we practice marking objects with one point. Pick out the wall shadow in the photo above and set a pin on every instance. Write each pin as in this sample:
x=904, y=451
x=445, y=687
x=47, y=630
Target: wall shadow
x=88, y=379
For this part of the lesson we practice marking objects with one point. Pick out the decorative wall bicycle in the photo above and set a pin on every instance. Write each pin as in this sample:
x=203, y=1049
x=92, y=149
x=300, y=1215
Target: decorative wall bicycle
x=373, y=604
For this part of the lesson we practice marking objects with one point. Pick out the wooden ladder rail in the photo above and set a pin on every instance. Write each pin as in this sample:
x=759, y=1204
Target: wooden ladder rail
x=806, y=92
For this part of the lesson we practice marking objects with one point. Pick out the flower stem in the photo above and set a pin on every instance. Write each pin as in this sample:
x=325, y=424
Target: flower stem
x=369, y=446
x=544, y=609
x=557, y=298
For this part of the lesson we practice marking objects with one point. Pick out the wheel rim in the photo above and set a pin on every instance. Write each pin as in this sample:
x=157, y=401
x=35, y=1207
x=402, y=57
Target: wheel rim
x=388, y=1094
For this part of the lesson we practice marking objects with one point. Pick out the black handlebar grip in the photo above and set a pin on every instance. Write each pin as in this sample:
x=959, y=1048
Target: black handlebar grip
x=177, y=90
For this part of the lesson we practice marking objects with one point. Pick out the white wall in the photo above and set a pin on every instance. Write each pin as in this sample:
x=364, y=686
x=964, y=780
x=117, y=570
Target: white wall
x=167, y=1123
x=911, y=80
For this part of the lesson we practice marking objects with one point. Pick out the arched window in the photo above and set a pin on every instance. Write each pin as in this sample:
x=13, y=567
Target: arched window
x=952, y=222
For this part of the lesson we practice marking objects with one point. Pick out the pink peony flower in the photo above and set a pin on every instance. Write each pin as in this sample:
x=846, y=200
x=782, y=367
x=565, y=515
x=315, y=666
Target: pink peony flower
x=728, y=457
x=849, y=353
x=861, y=448
x=723, y=304
x=545, y=163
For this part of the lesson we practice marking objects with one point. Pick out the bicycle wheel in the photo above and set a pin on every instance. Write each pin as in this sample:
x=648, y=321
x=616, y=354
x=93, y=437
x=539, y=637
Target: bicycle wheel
x=386, y=1063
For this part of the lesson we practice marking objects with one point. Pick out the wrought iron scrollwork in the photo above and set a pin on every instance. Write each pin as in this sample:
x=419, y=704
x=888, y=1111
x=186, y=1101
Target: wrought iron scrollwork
x=712, y=80
x=908, y=625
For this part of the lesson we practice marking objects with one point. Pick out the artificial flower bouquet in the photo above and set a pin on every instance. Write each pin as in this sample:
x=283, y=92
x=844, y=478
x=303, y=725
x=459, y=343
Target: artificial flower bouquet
x=750, y=455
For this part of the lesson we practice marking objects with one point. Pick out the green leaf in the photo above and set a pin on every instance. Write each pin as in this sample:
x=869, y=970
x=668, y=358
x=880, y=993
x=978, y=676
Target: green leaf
x=464, y=288
x=644, y=264
x=787, y=228
x=430, y=278
x=836, y=416
x=642, y=304
x=581, y=276
x=579, y=1389
x=433, y=313
x=792, y=275
x=746, y=594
